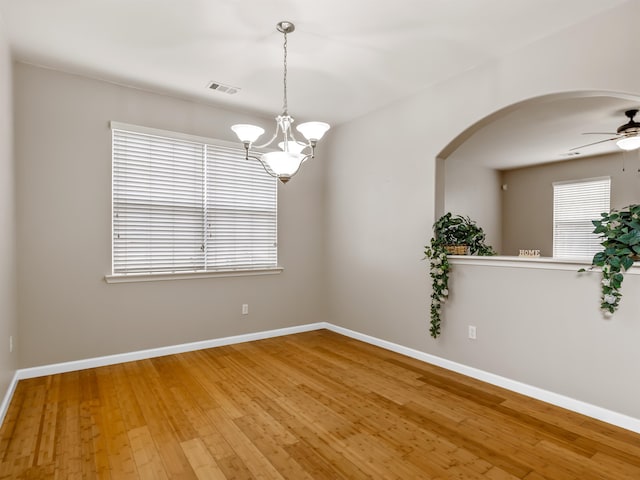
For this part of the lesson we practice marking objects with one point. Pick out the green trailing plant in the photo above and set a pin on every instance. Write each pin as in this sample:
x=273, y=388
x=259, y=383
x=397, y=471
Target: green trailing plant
x=449, y=230
x=620, y=234
x=439, y=272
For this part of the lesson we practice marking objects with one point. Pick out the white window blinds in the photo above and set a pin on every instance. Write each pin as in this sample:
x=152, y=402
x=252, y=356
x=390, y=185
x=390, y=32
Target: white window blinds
x=188, y=206
x=575, y=205
x=241, y=210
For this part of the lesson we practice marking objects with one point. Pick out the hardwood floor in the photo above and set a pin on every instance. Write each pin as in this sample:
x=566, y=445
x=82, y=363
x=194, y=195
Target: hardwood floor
x=313, y=405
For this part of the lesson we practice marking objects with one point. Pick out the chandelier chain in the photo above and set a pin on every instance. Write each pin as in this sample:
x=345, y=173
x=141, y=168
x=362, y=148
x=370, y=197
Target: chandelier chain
x=284, y=104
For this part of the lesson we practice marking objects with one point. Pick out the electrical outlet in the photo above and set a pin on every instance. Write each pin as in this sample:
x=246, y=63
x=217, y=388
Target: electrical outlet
x=245, y=309
x=472, y=332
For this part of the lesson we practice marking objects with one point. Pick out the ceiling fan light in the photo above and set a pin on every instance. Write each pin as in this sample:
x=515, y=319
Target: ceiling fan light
x=629, y=143
x=247, y=133
x=283, y=164
x=313, y=131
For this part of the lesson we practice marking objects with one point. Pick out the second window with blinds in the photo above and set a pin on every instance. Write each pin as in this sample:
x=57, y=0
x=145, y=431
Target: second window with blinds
x=184, y=205
x=575, y=205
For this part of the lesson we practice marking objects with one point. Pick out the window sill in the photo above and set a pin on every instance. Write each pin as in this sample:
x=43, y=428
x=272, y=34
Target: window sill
x=156, y=277
x=544, y=263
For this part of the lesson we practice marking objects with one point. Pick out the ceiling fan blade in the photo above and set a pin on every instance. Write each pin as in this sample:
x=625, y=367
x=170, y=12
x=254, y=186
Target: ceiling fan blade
x=594, y=143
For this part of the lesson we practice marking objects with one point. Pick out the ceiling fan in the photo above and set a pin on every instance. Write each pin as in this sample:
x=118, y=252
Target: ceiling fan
x=627, y=135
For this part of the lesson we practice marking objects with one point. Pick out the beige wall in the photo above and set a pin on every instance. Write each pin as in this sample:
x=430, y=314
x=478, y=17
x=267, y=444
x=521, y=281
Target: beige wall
x=543, y=327
x=527, y=219
x=475, y=192
x=8, y=312
x=66, y=310
x=380, y=217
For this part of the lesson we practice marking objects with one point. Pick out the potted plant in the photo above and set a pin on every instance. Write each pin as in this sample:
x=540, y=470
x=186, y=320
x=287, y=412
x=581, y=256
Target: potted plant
x=450, y=231
x=456, y=230
x=620, y=234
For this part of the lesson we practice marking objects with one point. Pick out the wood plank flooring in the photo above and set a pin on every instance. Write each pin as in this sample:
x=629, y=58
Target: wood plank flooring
x=315, y=405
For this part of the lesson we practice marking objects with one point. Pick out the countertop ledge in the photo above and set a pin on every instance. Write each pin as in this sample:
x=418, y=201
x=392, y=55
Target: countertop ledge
x=545, y=263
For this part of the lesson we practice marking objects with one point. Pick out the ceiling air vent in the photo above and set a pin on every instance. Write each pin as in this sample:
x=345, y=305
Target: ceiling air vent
x=222, y=88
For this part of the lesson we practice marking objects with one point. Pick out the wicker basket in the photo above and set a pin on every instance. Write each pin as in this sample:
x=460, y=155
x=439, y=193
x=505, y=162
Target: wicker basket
x=457, y=249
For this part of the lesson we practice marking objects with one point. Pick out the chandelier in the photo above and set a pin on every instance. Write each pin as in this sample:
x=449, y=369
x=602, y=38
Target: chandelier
x=284, y=163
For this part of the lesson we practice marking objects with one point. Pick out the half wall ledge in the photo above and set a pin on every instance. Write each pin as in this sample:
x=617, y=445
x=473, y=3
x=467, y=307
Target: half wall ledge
x=544, y=263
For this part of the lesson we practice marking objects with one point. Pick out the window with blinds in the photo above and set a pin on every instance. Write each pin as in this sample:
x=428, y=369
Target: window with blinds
x=575, y=205
x=189, y=206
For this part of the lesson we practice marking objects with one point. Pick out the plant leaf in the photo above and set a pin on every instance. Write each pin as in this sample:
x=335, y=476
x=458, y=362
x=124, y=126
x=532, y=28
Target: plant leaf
x=627, y=262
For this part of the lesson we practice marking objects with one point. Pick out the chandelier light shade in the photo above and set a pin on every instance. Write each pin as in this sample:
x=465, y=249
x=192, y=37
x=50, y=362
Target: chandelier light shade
x=247, y=133
x=285, y=162
x=313, y=131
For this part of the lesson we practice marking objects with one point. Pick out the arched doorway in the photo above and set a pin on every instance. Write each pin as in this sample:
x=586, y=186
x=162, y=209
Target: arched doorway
x=494, y=170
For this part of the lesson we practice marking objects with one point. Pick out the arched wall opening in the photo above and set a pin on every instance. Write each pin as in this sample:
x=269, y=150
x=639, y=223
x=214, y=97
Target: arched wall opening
x=500, y=170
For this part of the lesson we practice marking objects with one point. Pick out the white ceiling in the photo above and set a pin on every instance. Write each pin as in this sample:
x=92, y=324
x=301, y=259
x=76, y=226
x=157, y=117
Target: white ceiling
x=548, y=130
x=346, y=58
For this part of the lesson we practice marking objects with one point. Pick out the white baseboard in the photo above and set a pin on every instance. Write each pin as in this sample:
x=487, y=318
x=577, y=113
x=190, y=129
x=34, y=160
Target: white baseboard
x=593, y=411
x=614, y=418
x=4, y=406
x=160, y=352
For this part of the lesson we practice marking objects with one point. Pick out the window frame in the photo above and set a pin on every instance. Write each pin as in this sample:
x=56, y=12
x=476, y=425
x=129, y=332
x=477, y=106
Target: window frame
x=125, y=277
x=606, y=179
